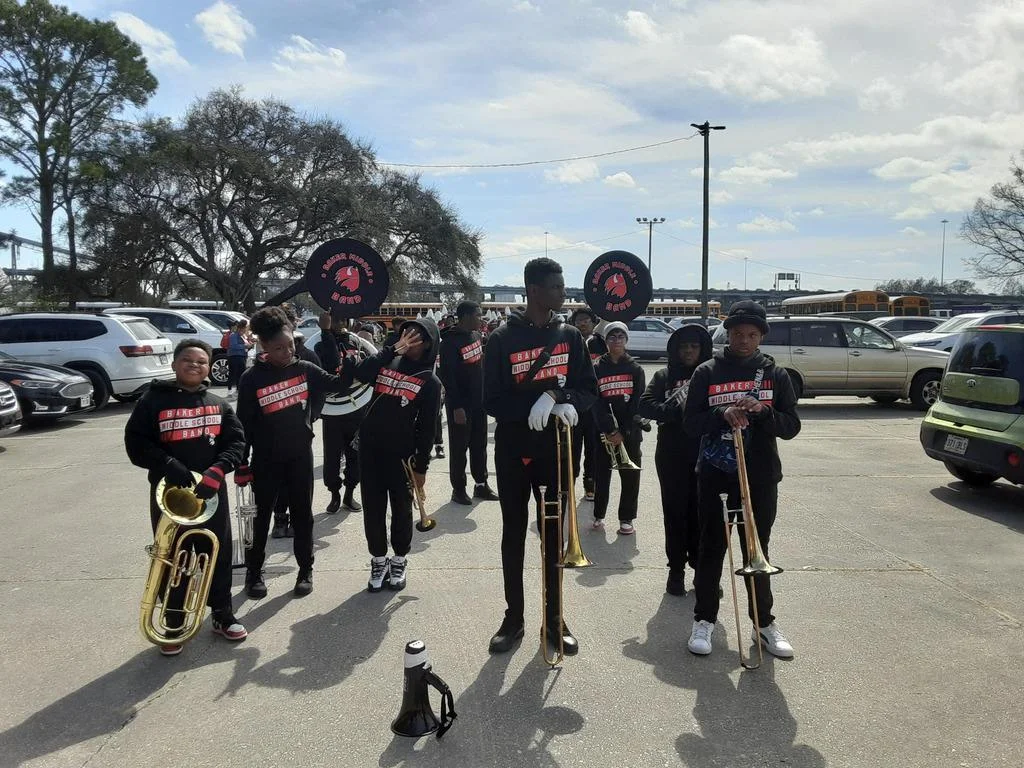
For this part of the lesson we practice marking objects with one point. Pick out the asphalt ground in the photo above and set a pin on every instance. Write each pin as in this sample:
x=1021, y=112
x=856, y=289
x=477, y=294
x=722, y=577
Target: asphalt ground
x=902, y=595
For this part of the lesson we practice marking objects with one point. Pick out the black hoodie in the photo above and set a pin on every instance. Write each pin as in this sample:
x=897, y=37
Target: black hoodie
x=197, y=428
x=462, y=368
x=619, y=386
x=724, y=379
x=401, y=418
x=277, y=405
x=663, y=402
x=568, y=374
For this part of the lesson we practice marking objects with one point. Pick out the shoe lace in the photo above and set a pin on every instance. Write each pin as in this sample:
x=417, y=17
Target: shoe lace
x=703, y=631
x=377, y=569
x=397, y=569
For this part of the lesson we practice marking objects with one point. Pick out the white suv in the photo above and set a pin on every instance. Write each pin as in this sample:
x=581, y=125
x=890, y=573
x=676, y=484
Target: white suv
x=119, y=355
x=648, y=337
x=178, y=325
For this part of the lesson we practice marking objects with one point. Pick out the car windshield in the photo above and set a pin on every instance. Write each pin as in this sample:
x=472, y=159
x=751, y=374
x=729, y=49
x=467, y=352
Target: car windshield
x=201, y=323
x=956, y=323
x=5, y=356
x=142, y=329
x=990, y=353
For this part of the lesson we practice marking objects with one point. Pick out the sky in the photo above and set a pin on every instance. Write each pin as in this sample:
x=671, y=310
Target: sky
x=852, y=129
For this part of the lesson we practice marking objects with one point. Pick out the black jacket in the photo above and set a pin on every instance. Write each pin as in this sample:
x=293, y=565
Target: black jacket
x=352, y=347
x=596, y=347
x=401, y=418
x=619, y=386
x=197, y=428
x=508, y=356
x=726, y=378
x=665, y=396
x=462, y=368
x=277, y=406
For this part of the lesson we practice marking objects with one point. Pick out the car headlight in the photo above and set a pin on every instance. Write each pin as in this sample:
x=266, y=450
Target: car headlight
x=929, y=343
x=33, y=384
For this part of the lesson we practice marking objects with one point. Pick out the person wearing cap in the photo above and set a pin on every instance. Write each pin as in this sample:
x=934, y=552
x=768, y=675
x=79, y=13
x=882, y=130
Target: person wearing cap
x=587, y=447
x=620, y=382
x=739, y=387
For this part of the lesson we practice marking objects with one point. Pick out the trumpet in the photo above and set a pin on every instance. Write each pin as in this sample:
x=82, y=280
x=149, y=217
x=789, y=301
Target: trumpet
x=173, y=562
x=618, y=453
x=756, y=563
x=419, y=496
x=245, y=514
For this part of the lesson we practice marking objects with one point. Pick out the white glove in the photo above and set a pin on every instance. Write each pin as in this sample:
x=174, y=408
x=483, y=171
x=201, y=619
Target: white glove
x=541, y=411
x=567, y=413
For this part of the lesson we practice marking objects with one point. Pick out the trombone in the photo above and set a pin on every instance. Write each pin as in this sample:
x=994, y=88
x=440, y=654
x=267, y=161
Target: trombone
x=618, y=453
x=756, y=562
x=570, y=552
x=419, y=495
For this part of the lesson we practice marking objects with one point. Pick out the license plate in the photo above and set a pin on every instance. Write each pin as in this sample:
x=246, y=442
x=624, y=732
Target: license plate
x=163, y=359
x=957, y=445
x=86, y=401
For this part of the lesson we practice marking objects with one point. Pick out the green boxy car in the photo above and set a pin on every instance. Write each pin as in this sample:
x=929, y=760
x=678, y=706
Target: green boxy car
x=976, y=428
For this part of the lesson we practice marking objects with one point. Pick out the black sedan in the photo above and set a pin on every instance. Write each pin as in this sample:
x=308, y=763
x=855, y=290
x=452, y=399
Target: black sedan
x=46, y=391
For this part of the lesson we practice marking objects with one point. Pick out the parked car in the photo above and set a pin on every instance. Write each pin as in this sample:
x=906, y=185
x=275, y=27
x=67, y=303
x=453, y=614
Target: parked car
x=119, y=355
x=648, y=337
x=221, y=318
x=46, y=391
x=178, y=325
x=976, y=429
x=946, y=335
x=841, y=356
x=678, y=322
x=10, y=412
x=898, y=327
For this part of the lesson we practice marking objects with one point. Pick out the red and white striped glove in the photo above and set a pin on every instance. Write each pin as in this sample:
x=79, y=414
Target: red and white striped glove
x=243, y=475
x=212, y=480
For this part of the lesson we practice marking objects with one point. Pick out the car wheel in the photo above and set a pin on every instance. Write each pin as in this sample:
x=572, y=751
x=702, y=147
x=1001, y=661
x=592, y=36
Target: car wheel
x=798, y=384
x=127, y=398
x=100, y=388
x=219, y=370
x=885, y=399
x=924, y=390
x=969, y=476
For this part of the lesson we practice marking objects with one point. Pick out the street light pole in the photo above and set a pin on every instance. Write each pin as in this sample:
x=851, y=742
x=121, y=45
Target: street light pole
x=705, y=129
x=650, y=222
x=942, y=265
x=545, y=244
x=745, y=260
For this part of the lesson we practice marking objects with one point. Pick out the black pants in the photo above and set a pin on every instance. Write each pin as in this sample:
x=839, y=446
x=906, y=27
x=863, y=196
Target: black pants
x=281, y=508
x=384, y=479
x=586, y=445
x=438, y=431
x=220, y=585
x=764, y=498
x=236, y=367
x=472, y=436
x=519, y=482
x=271, y=479
x=678, y=480
x=339, y=431
x=629, y=496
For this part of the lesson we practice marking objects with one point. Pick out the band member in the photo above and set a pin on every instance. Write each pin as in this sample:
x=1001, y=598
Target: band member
x=462, y=355
x=586, y=321
x=342, y=414
x=238, y=353
x=620, y=382
x=738, y=387
x=277, y=399
x=536, y=370
x=393, y=335
x=398, y=427
x=676, y=454
x=179, y=427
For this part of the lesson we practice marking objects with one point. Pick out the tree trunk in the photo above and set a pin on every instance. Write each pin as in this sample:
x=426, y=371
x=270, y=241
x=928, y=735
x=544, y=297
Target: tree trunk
x=73, y=256
x=46, y=229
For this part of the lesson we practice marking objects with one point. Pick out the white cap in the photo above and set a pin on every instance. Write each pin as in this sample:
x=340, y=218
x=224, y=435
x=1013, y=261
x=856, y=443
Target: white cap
x=616, y=326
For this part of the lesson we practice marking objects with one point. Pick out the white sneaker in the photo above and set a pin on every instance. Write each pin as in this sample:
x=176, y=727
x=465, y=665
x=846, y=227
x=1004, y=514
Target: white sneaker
x=774, y=641
x=700, y=638
x=598, y=524
x=378, y=572
x=399, y=565
x=626, y=528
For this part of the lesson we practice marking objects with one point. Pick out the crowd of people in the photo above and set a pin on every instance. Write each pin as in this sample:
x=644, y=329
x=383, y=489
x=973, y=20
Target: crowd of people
x=532, y=375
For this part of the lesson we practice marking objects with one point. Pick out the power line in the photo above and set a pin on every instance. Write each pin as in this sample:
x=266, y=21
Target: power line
x=578, y=244
x=545, y=162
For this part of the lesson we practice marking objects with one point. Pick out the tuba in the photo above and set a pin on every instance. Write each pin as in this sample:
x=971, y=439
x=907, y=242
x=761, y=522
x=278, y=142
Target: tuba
x=173, y=563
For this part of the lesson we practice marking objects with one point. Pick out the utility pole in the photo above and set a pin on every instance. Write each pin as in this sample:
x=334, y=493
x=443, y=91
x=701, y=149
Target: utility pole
x=942, y=266
x=650, y=232
x=545, y=244
x=745, y=260
x=705, y=129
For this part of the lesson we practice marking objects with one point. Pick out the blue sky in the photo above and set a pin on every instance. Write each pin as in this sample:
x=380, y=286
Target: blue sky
x=852, y=129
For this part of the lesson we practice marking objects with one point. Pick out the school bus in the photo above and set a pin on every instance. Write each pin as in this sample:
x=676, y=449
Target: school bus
x=910, y=306
x=851, y=301
x=683, y=308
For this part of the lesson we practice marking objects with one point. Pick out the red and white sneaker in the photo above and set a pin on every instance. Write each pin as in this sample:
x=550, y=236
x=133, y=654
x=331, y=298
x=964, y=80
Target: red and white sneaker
x=626, y=528
x=171, y=650
x=227, y=626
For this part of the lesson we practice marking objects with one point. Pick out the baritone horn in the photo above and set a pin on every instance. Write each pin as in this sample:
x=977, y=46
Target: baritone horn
x=174, y=563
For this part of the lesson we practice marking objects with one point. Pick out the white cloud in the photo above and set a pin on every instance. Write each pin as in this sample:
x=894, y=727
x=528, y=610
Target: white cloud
x=225, y=28
x=913, y=212
x=751, y=174
x=156, y=44
x=912, y=232
x=720, y=197
x=881, y=95
x=525, y=6
x=641, y=27
x=906, y=168
x=819, y=211
x=620, y=179
x=574, y=172
x=762, y=223
x=693, y=223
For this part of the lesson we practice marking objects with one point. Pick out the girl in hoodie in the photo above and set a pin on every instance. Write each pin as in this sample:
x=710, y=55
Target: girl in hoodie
x=676, y=454
x=620, y=382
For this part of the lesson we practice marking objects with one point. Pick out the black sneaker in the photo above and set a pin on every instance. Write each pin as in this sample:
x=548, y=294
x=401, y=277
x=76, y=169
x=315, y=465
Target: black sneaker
x=350, y=503
x=675, y=584
x=484, y=492
x=280, y=531
x=459, y=496
x=334, y=504
x=254, y=586
x=438, y=451
x=289, y=532
x=304, y=583
x=570, y=646
x=509, y=633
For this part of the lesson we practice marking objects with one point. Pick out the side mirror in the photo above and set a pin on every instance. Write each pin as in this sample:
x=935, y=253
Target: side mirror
x=184, y=328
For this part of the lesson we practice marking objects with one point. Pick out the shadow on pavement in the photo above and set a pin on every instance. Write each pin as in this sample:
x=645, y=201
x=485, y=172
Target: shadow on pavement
x=495, y=728
x=814, y=410
x=610, y=558
x=1001, y=502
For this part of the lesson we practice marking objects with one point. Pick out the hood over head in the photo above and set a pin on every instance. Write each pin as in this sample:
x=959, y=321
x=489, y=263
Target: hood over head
x=428, y=328
x=690, y=331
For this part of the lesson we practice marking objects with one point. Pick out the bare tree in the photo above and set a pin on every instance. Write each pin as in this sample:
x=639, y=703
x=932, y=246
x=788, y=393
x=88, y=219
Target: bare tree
x=996, y=227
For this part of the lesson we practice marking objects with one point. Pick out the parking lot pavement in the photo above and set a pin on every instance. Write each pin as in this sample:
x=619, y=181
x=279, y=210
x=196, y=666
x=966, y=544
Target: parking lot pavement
x=902, y=595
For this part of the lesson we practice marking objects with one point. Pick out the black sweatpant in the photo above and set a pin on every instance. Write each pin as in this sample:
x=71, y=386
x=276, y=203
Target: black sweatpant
x=384, y=478
x=472, y=436
x=339, y=432
x=220, y=585
x=293, y=477
x=519, y=482
x=438, y=431
x=236, y=367
x=586, y=445
x=629, y=495
x=764, y=499
x=678, y=483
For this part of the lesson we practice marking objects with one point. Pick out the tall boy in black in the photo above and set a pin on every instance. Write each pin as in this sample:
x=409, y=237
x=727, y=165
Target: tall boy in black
x=676, y=454
x=536, y=370
x=620, y=383
x=588, y=446
x=277, y=400
x=739, y=387
x=179, y=427
x=462, y=356
x=398, y=426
